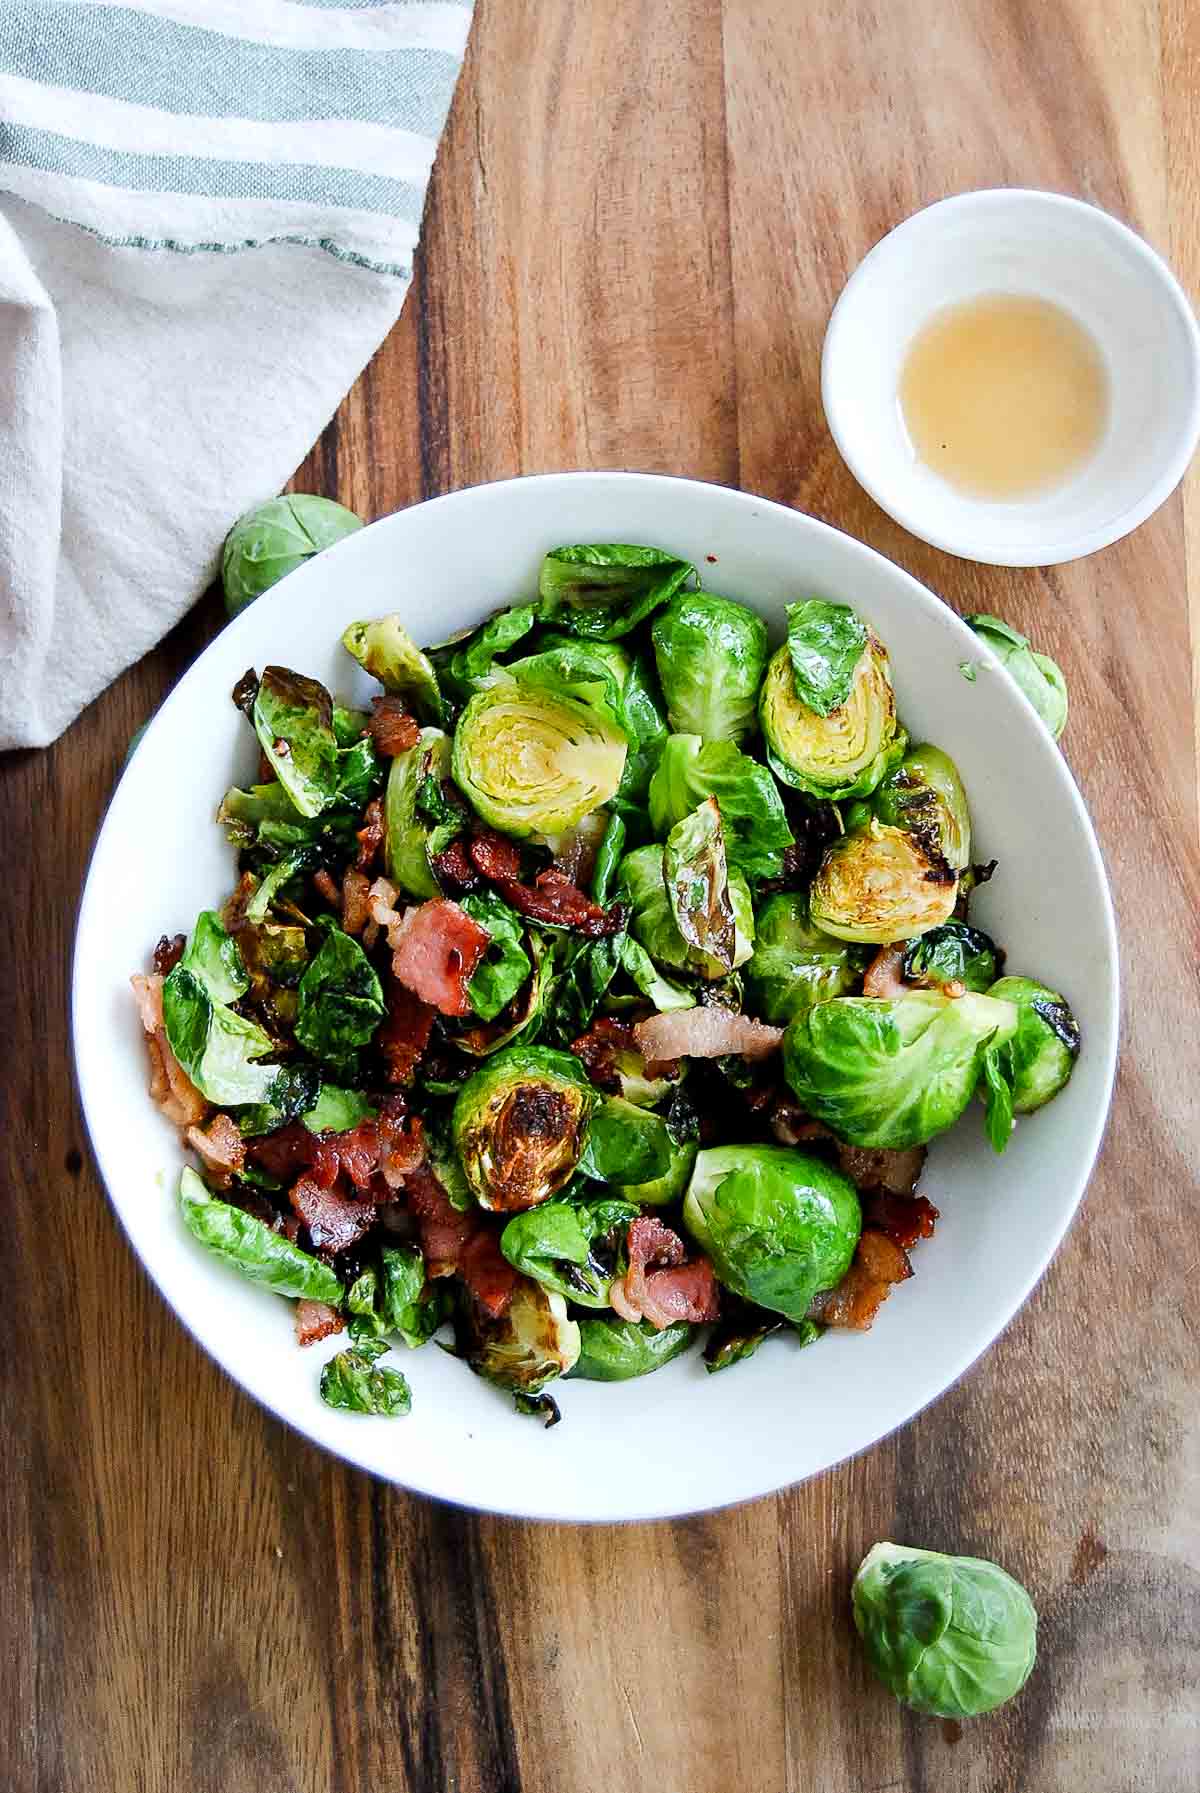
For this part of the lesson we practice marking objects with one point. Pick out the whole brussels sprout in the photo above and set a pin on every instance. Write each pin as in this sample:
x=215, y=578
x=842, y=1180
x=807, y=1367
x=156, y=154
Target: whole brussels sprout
x=520, y=1124
x=778, y=1225
x=711, y=654
x=845, y=753
x=386, y=650
x=1039, y=677
x=407, y=834
x=893, y=1073
x=952, y=954
x=576, y=1248
x=534, y=763
x=525, y=1348
x=880, y=885
x=1041, y=1054
x=617, y=1350
x=953, y=1636
x=925, y=795
x=794, y=963
x=275, y=538
x=652, y=924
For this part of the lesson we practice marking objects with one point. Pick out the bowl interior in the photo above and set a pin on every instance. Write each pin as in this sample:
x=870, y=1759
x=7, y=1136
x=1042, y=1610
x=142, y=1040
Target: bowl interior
x=679, y=1440
x=1058, y=249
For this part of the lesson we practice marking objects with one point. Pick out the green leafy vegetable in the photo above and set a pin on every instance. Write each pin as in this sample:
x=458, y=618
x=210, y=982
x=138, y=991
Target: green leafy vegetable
x=466, y=663
x=625, y=1144
x=794, y=963
x=608, y=859
x=293, y=719
x=292, y=1092
x=646, y=729
x=825, y=643
x=275, y=538
x=653, y=925
x=576, y=1248
x=844, y=754
x=215, y=1045
x=543, y=1407
x=711, y=654
x=337, y=1110
x=752, y=814
x=505, y=965
x=618, y=1350
x=214, y=957
x=1042, y=1052
x=952, y=954
x=670, y=1185
x=408, y=828
x=275, y=882
x=341, y=1000
x=354, y=1383
x=601, y=591
x=386, y=650
x=1037, y=675
x=697, y=883
x=263, y=1256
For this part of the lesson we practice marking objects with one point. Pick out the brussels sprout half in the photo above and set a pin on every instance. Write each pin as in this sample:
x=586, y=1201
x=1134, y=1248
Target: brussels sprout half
x=275, y=538
x=925, y=795
x=407, y=835
x=843, y=754
x=778, y=1225
x=893, y=1073
x=1042, y=1052
x=386, y=650
x=534, y=764
x=525, y=1348
x=711, y=654
x=953, y=1636
x=794, y=963
x=520, y=1125
x=879, y=885
x=618, y=1350
x=955, y=953
x=642, y=886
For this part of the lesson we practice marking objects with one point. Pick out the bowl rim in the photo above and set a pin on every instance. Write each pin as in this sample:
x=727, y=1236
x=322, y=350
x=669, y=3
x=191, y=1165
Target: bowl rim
x=975, y=545
x=1092, y=1136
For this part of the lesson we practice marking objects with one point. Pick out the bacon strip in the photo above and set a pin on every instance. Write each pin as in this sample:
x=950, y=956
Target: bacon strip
x=220, y=1146
x=436, y=952
x=880, y=1167
x=370, y=835
x=458, y=1244
x=905, y=1219
x=168, y=952
x=334, y=1222
x=704, y=1033
x=404, y=1034
x=454, y=869
x=498, y=859
x=391, y=727
x=659, y=1286
x=315, y=1320
x=356, y=911
x=879, y=1263
x=556, y=902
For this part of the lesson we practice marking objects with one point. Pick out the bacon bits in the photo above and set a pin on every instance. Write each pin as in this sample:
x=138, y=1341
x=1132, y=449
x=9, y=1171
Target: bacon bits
x=391, y=727
x=436, y=952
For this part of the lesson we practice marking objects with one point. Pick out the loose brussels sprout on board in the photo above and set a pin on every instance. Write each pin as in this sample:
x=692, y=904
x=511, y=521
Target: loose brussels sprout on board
x=952, y=1636
x=275, y=538
x=495, y=1026
x=1039, y=677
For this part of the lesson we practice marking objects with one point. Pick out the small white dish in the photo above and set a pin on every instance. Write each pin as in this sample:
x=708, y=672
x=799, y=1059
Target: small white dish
x=1014, y=240
x=678, y=1441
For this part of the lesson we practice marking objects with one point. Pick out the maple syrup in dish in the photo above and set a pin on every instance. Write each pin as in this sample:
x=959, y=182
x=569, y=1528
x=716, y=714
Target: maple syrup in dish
x=1005, y=396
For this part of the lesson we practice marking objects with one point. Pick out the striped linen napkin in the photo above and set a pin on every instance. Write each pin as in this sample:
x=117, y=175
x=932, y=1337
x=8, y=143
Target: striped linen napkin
x=208, y=212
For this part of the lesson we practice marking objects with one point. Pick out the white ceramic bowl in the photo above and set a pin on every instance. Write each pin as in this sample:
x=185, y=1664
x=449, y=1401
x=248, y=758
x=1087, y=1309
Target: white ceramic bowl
x=1056, y=248
x=679, y=1440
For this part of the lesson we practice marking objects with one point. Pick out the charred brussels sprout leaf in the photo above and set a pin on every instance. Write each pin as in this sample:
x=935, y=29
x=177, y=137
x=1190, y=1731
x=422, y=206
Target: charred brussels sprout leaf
x=892, y=1073
x=214, y=957
x=778, y=1225
x=525, y=1348
x=396, y=1299
x=251, y=1247
x=215, y=1045
x=795, y=964
x=618, y=1350
x=576, y=1248
x=843, y=754
x=520, y=1123
x=337, y=1110
x=1042, y=1052
x=925, y=795
x=738, y=1335
x=583, y=971
x=752, y=813
x=601, y=590
x=341, y=1000
x=354, y=1383
x=625, y=1143
x=952, y=954
x=532, y=762
x=880, y=885
x=505, y=965
x=275, y=538
x=697, y=882
x=543, y=1407
x=711, y=655
x=825, y=642
x=952, y=1636
x=1037, y=675
x=293, y=719
x=408, y=830
x=386, y=650
x=653, y=925
x=276, y=880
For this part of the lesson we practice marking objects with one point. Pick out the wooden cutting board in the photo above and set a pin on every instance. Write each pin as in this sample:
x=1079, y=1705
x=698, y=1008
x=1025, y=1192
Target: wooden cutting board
x=642, y=214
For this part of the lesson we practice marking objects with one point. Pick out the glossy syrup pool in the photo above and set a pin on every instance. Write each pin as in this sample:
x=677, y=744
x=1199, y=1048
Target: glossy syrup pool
x=1005, y=396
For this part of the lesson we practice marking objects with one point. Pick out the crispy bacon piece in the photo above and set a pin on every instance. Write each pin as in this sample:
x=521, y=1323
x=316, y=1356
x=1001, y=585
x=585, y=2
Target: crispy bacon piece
x=497, y=858
x=457, y=1244
x=370, y=835
x=316, y=1320
x=453, y=868
x=880, y=1167
x=326, y=888
x=598, y=1048
x=170, y=1086
x=689, y=1292
x=334, y=1221
x=486, y=1272
x=391, y=727
x=557, y=903
x=879, y=1263
x=704, y=1033
x=282, y=1153
x=356, y=912
x=904, y=1218
x=168, y=953
x=405, y=1031
x=659, y=1286
x=885, y=974
x=233, y=914
x=221, y=1147
x=436, y=951
x=389, y=1145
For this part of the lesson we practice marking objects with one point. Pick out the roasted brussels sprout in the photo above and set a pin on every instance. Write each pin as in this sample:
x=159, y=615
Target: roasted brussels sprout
x=618, y=1350
x=794, y=964
x=1041, y=1054
x=652, y=924
x=293, y=719
x=407, y=831
x=624, y=1138
x=274, y=539
x=843, y=754
x=711, y=654
x=602, y=590
x=520, y=1124
x=778, y=1225
x=533, y=762
x=953, y=1636
x=386, y=650
x=952, y=954
x=696, y=875
x=825, y=643
x=752, y=814
x=526, y=1347
x=893, y=1073
x=925, y=795
x=666, y=1188
x=879, y=884
x=1039, y=677
x=576, y=1248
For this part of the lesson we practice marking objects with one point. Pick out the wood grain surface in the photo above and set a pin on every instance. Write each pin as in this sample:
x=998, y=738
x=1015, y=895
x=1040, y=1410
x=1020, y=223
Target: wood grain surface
x=642, y=213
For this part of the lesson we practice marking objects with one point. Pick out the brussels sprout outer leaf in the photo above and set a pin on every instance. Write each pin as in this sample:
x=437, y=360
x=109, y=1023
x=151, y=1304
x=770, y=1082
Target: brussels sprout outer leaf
x=996, y=1078
x=697, y=883
x=473, y=661
x=408, y=1305
x=711, y=654
x=652, y=924
x=251, y=1247
x=214, y=957
x=337, y=1110
x=617, y=1350
x=795, y=964
x=752, y=813
x=386, y=650
x=275, y=881
x=293, y=719
x=1038, y=676
x=275, y=538
x=952, y=1636
x=926, y=795
x=602, y=590
x=562, y=1245
x=668, y=1187
x=953, y=953
x=645, y=727
x=1043, y=1050
x=578, y=672
x=625, y=1143
x=825, y=642
x=293, y=1091
x=214, y=1044
x=407, y=830
x=608, y=859
x=650, y=981
x=352, y=1382
x=341, y=1000
x=505, y=965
